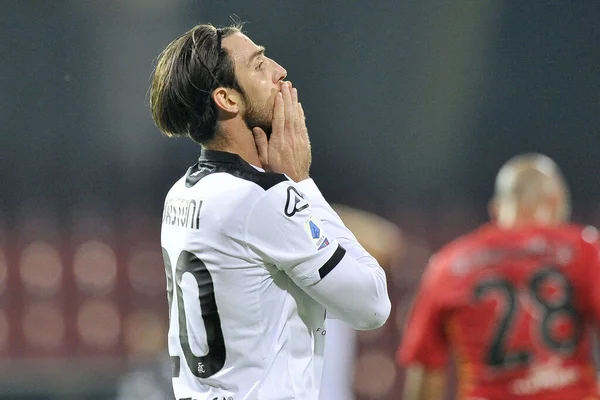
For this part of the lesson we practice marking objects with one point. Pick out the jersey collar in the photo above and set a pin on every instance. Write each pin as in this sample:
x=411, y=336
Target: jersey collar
x=216, y=156
x=207, y=155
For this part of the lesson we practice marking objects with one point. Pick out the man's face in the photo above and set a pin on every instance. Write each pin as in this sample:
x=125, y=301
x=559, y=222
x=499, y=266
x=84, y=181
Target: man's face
x=259, y=78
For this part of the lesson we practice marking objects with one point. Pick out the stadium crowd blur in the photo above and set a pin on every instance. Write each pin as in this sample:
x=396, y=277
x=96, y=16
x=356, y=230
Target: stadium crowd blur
x=411, y=107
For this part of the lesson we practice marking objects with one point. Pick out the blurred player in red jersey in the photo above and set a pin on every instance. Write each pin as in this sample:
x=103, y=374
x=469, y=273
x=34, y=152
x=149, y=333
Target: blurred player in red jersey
x=514, y=302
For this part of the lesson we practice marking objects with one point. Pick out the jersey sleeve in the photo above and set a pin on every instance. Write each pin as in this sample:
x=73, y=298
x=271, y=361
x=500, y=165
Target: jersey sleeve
x=424, y=341
x=284, y=229
x=333, y=223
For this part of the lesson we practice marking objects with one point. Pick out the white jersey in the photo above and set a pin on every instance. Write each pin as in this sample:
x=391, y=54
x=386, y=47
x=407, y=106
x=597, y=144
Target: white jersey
x=253, y=260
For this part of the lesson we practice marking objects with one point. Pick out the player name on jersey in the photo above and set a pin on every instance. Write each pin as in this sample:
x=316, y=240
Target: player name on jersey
x=538, y=247
x=182, y=212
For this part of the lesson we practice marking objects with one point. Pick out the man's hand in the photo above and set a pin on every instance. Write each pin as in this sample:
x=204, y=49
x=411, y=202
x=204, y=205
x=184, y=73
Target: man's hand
x=288, y=149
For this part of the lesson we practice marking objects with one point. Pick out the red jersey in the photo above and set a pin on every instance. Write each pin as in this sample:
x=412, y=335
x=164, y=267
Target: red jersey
x=515, y=307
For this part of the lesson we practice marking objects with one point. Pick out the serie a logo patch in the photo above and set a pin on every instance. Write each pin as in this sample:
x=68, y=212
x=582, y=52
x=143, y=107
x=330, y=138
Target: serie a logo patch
x=314, y=229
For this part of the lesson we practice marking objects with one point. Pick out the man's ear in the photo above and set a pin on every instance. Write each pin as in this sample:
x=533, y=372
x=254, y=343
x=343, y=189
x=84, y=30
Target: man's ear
x=227, y=100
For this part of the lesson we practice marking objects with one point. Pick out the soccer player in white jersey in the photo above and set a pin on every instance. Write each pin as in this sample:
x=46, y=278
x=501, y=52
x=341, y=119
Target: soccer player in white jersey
x=255, y=258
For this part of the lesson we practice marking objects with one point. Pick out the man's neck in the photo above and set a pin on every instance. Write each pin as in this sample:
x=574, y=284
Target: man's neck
x=237, y=140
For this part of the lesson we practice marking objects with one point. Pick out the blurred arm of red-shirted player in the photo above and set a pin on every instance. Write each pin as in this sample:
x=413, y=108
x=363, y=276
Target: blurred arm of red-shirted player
x=424, y=348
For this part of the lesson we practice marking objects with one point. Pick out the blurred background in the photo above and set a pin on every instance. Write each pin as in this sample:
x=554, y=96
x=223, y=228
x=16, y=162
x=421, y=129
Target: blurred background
x=412, y=106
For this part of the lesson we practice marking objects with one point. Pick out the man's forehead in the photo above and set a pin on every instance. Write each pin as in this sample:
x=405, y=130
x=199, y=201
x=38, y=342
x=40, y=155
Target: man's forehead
x=240, y=47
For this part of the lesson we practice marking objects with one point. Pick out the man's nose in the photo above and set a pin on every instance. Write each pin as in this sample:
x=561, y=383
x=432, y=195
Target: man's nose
x=279, y=74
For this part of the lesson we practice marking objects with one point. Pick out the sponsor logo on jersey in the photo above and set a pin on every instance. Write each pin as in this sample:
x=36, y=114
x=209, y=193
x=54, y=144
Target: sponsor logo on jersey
x=295, y=202
x=313, y=227
x=551, y=375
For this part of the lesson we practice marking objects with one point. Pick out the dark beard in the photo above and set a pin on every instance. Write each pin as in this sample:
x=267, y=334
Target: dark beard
x=257, y=117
